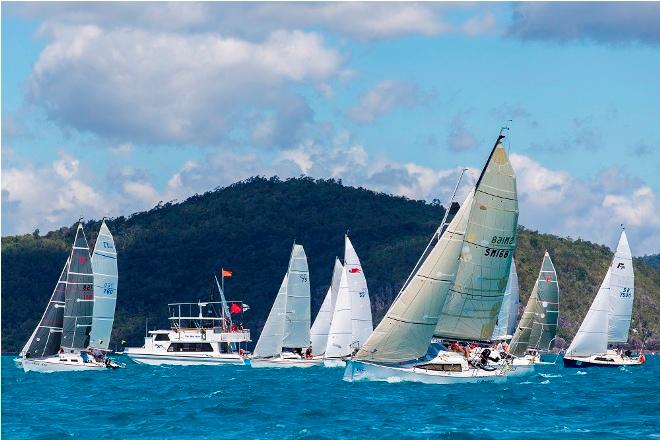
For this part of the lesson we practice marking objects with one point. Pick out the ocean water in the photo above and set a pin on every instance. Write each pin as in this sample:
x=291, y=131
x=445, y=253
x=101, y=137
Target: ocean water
x=143, y=402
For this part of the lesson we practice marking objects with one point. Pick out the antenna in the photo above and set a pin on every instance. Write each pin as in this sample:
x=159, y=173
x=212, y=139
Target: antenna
x=80, y=219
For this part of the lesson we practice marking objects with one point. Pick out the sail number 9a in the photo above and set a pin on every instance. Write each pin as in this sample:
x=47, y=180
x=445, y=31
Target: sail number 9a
x=625, y=292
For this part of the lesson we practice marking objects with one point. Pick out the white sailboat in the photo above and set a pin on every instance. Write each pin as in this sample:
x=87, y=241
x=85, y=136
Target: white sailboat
x=455, y=291
x=351, y=322
x=62, y=338
x=608, y=318
x=287, y=330
x=321, y=327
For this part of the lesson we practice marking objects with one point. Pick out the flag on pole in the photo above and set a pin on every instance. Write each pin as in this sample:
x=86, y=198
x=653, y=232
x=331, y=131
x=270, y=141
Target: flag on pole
x=235, y=308
x=226, y=273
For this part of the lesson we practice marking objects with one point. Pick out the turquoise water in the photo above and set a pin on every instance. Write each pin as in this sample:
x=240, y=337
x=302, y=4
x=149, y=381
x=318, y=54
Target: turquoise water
x=142, y=402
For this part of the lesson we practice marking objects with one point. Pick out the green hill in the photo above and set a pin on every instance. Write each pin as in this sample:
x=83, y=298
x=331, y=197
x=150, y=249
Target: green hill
x=170, y=253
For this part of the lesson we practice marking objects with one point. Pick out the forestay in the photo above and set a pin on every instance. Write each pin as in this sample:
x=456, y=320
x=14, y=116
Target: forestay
x=361, y=322
x=406, y=330
x=79, y=295
x=321, y=327
x=591, y=337
x=622, y=292
x=46, y=338
x=508, y=316
x=104, y=265
x=297, y=322
x=544, y=328
x=475, y=296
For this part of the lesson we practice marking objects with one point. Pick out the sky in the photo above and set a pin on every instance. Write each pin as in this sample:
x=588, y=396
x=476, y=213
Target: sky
x=109, y=109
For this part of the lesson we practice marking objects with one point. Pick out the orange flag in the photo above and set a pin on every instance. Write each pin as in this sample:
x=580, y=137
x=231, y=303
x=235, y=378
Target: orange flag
x=227, y=273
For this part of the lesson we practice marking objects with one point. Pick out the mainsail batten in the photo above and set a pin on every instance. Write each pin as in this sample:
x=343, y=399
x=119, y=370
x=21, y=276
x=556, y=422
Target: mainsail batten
x=79, y=295
x=104, y=264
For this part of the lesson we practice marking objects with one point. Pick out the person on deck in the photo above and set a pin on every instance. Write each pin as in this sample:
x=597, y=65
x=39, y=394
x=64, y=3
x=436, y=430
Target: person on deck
x=308, y=352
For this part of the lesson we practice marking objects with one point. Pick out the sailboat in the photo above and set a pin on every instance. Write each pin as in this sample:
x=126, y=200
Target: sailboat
x=287, y=330
x=62, y=338
x=608, y=318
x=506, y=320
x=351, y=323
x=455, y=290
x=537, y=329
x=321, y=327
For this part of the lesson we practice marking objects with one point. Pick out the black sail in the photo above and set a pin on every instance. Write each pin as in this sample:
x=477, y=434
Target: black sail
x=79, y=297
x=46, y=338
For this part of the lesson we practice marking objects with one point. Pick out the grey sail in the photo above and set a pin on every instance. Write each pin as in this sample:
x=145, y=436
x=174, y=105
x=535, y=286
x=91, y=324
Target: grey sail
x=104, y=264
x=298, y=313
x=544, y=328
x=474, y=299
x=79, y=295
x=508, y=316
x=46, y=338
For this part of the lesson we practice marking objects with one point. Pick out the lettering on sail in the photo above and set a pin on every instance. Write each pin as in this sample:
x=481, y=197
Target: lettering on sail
x=501, y=240
x=497, y=253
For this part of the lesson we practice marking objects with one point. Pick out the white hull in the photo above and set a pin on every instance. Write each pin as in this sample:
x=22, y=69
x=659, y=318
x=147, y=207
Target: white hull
x=185, y=359
x=57, y=363
x=601, y=360
x=359, y=370
x=334, y=363
x=284, y=362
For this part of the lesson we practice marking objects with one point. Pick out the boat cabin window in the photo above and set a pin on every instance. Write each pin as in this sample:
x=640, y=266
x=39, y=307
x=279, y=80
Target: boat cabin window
x=162, y=337
x=190, y=346
x=224, y=347
x=604, y=359
x=441, y=367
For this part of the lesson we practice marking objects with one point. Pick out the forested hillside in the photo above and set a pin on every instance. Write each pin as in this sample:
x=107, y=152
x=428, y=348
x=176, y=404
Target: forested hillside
x=171, y=252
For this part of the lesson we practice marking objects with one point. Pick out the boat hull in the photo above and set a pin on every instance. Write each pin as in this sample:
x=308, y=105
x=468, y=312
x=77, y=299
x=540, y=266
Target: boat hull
x=57, y=364
x=169, y=359
x=360, y=370
x=593, y=361
x=334, y=363
x=284, y=363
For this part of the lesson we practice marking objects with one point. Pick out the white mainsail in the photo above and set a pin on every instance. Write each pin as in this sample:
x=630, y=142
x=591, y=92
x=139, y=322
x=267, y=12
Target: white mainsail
x=297, y=323
x=508, y=316
x=104, y=264
x=341, y=330
x=361, y=322
x=474, y=298
x=591, y=337
x=321, y=327
x=270, y=340
x=406, y=330
x=622, y=292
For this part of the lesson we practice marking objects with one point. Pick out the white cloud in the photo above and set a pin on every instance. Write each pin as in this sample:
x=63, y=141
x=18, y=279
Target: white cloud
x=383, y=98
x=142, y=87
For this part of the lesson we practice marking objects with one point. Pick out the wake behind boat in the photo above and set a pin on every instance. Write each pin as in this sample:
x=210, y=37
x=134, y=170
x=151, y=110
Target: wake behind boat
x=608, y=318
x=455, y=290
x=61, y=341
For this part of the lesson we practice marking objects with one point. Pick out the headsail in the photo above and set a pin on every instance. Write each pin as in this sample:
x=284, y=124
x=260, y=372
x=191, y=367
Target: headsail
x=79, y=295
x=406, y=330
x=339, y=337
x=321, y=327
x=591, y=337
x=544, y=328
x=622, y=292
x=474, y=298
x=361, y=323
x=520, y=340
x=297, y=323
x=270, y=340
x=508, y=316
x=104, y=264
x=46, y=338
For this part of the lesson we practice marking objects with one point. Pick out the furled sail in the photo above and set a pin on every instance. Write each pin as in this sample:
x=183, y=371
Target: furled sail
x=46, y=338
x=361, y=323
x=104, y=264
x=321, y=327
x=297, y=322
x=406, y=330
x=591, y=337
x=474, y=298
x=508, y=316
x=544, y=328
x=622, y=292
x=341, y=329
x=79, y=295
x=270, y=340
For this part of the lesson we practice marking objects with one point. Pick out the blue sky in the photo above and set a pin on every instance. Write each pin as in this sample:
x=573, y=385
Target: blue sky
x=108, y=109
